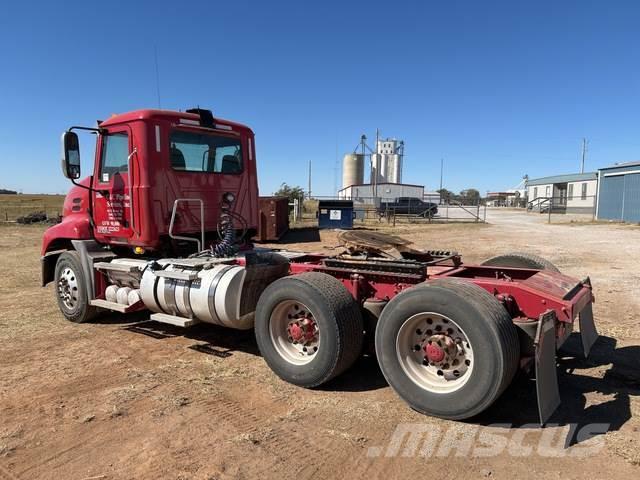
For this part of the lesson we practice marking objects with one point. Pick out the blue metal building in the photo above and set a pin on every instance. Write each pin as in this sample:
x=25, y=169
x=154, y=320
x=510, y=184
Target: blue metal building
x=619, y=192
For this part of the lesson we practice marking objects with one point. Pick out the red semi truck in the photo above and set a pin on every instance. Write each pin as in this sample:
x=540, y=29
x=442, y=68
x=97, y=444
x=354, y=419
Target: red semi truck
x=164, y=224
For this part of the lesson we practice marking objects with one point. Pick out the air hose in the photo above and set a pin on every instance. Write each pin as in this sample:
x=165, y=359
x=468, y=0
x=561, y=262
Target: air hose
x=226, y=247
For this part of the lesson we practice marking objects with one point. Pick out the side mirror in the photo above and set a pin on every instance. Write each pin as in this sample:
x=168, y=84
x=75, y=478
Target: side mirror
x=70, y=155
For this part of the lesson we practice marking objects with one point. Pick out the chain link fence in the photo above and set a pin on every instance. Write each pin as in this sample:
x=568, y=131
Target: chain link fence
x=401, y=210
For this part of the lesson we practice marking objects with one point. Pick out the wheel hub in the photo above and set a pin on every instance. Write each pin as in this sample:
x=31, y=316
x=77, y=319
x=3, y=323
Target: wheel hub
x=295, y=332
x=434, y=352
x=303, y=331
x=440, y=350
x=68, y=288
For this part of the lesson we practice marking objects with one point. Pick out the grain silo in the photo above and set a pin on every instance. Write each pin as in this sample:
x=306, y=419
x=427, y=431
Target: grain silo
x=387, y=161
x=394, y=168
x=352, y=169
x=378, y=168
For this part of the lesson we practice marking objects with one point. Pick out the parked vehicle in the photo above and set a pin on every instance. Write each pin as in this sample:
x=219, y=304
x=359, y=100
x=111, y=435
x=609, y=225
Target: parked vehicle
x=410, y=206
x=164, y=222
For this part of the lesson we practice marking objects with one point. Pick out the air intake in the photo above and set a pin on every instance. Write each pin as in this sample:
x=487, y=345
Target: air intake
x=206, y=117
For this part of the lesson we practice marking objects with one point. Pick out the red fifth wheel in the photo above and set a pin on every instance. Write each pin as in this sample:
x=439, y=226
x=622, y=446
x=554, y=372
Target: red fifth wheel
x=308, y=328
x=447, y=347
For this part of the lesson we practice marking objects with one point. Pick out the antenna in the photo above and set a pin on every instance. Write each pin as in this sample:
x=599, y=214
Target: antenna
x=155, y=51
x=309, y=191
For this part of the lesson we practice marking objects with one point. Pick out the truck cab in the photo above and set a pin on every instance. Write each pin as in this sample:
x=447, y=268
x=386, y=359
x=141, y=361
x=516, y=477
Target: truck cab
x=157, y=182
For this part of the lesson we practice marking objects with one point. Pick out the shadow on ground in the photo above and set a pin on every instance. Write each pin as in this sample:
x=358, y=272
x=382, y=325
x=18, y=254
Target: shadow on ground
x=518, y=405
x=301, y=235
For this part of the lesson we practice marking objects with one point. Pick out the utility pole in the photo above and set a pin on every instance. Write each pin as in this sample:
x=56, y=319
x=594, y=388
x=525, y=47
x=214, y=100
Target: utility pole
x=377, y=167
x=336, y=167
x=584, y=154
x=441, y=170
x=309, y=189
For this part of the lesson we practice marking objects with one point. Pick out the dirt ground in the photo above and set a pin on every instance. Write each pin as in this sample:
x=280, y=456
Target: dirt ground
x=124, y=398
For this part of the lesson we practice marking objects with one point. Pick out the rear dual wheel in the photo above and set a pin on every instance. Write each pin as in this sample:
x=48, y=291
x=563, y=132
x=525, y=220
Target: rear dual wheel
x=308, y=328
x=447, y=347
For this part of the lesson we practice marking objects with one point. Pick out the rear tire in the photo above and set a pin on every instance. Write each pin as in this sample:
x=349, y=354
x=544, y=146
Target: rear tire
x=521, y=260
x=71, y=291
x=479, y=343
x=309, y=329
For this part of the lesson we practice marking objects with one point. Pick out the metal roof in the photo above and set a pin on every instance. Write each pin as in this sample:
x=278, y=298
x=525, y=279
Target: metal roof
x=381, y=183
x=570, y=177
x=621, y=165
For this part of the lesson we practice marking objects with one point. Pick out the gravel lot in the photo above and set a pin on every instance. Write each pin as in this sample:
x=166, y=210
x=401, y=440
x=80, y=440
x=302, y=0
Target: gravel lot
x=125, y=398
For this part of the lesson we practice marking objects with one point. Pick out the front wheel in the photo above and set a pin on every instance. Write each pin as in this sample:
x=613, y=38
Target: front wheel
x=448, y=348
x=71, y=291
x=308, y=328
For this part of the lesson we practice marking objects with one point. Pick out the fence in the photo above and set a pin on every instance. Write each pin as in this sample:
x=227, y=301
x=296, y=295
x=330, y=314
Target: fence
x=564, y=208
x=412, y=210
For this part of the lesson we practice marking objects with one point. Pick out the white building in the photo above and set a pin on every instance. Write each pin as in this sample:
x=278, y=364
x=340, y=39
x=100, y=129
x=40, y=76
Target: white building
x=572, y=193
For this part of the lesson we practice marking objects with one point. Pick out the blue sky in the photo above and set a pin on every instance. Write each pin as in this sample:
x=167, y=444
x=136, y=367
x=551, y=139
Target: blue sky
x=497, y=89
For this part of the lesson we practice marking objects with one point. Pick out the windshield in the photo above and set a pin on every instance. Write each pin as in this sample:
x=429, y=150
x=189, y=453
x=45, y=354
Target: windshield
x=203, y=152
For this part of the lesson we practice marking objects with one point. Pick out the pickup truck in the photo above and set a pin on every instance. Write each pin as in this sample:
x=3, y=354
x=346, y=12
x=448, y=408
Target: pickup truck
x=410, y=206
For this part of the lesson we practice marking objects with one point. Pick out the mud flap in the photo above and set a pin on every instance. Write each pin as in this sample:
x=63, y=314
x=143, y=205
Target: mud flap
x=546, y=373
x=588, y=330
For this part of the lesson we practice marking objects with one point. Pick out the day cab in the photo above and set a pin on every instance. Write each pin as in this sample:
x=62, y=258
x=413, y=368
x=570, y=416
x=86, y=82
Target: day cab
x=156, y=185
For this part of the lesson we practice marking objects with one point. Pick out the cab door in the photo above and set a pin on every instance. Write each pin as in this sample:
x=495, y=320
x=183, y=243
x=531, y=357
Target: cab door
x=112, y=184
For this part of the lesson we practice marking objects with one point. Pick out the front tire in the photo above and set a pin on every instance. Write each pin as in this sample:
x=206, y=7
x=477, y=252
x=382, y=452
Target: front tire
x=71, y=291
x=308, y=328
x=448, y=348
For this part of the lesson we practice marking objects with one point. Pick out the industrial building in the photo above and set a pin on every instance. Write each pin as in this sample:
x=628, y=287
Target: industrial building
x=383, y=192
x=619, y=192
x=571, y=193
x=510, y=198
x=385, y=174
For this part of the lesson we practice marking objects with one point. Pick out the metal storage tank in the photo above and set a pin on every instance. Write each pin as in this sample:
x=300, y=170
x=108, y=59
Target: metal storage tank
x=378, y=168
x=394, y=168
x=352, y=169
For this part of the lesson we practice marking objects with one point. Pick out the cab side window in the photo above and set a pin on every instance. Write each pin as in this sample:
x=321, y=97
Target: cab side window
x=115, y=153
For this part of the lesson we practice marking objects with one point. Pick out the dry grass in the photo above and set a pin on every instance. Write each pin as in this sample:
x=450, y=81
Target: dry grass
x=14, y=206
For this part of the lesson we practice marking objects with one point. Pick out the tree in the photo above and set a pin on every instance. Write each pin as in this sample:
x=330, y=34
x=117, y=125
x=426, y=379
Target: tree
x=290, y=192
x=470, y=193
x=445, y=195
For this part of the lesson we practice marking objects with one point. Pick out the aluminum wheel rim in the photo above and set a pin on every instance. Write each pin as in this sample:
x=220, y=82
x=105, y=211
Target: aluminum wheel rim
x=68, y=288
x=284, y=315
x=445, y=376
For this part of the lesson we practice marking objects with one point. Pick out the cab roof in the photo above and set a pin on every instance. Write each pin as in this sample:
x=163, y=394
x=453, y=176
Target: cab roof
x=166, y=115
